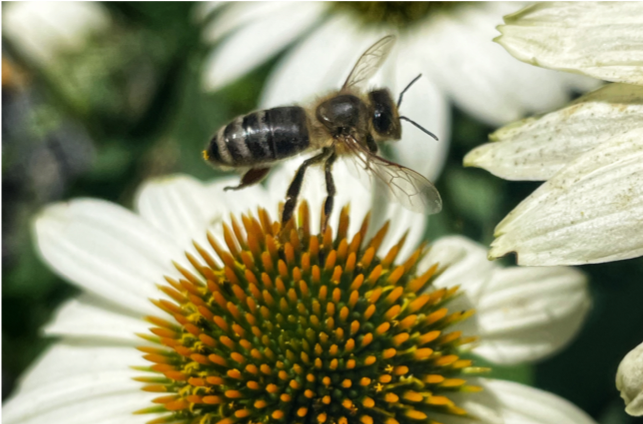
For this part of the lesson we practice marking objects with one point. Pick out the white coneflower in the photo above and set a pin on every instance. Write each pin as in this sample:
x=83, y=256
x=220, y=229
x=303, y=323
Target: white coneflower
x=255, y=323
x=44, y=30
x=449, y=43
x=629, y=381
x=590, y=210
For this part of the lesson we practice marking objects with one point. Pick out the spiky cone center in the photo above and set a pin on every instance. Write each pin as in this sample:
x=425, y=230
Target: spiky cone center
x=290, y=327
x=397, y=14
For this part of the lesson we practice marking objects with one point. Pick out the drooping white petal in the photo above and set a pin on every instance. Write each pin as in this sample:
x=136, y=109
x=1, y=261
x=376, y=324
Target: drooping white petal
x=603, y=40
x=425, y=104
x=589, y=212
x=236, y=15
x=318, y=64
x=526, y=313
x=482, y=79
x=87, y=317
x=186, y=210
x=256, y=42
x=537, y=148
x=520, y=404
x=42, y=30
x=629, y=381
x=462, y=262
x=505, y=402
x=106, y=250
x=522, y=314
x=204, y=9
x=75, y=383
x=180, y=207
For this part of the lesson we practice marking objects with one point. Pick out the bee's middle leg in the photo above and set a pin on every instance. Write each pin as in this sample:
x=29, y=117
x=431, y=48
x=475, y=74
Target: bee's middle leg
x=295, y=186
x=371, y=144
x=330, y=189
x=253, y=176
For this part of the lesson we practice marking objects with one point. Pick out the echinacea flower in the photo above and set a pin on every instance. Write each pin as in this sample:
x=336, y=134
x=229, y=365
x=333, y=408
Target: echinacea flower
x=629, y=381
x=254, y=323
x=449, y=43
x=590, y=153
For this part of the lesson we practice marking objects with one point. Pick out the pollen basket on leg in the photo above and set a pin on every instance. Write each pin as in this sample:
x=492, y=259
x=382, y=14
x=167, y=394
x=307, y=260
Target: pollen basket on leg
x=301, y=328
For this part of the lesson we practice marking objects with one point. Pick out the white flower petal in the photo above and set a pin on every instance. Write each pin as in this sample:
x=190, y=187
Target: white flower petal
x=107, y=250
x=525, y=314
x=589, y=212
x=318, y=64
x=466, y=265
x=522, y=314
x=461, y=262
x=629, y=381
x=520, y=404
x=256, y=42
x=537, y=148
x=42, y=30
x=76, y=383
x=88, y=318
x=236, y=15
x=505, y=402
x=483, y=79
x=427, y=106
x=603, y=40
x=182, y=207
x=482, y=407
x=204, y=9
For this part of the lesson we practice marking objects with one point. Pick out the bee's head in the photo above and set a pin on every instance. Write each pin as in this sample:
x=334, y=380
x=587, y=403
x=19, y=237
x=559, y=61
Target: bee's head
x=385, y=118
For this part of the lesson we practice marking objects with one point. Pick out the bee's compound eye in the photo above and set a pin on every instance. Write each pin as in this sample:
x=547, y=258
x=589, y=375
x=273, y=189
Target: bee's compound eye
x=384, y=122
x=382, y=111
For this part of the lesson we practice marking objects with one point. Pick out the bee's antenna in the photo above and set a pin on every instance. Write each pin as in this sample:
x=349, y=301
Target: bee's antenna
x=418, y=125
x=399, y=101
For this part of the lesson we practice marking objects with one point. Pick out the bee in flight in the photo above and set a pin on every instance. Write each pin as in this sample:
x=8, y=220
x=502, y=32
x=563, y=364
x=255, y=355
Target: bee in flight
x=347, y=123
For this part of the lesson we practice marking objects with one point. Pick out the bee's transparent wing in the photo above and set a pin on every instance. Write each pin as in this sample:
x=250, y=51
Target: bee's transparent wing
x=369, y=63
x=402, y=184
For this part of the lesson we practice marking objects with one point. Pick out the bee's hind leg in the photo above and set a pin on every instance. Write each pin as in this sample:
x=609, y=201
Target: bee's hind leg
x=330, y=189
x=253, y=176
x=295, y=186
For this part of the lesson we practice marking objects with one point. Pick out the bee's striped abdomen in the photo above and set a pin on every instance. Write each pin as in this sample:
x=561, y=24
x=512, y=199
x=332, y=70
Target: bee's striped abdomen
x=260, y=137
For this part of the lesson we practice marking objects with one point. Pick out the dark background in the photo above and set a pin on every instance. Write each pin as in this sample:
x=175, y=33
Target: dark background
x=131, y=106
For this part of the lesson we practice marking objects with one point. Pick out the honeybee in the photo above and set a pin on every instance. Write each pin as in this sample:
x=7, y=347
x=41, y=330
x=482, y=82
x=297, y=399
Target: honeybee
x=347, y=123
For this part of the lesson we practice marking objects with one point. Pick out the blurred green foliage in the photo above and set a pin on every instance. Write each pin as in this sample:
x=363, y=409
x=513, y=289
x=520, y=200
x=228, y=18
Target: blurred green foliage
x=131, y=106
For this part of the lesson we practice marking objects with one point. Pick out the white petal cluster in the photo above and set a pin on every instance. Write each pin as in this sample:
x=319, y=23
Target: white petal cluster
x=629, y=380
x=116, y=257
x=600, y=39
x=41, y=31
x=590, y=209
x=589, y=212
